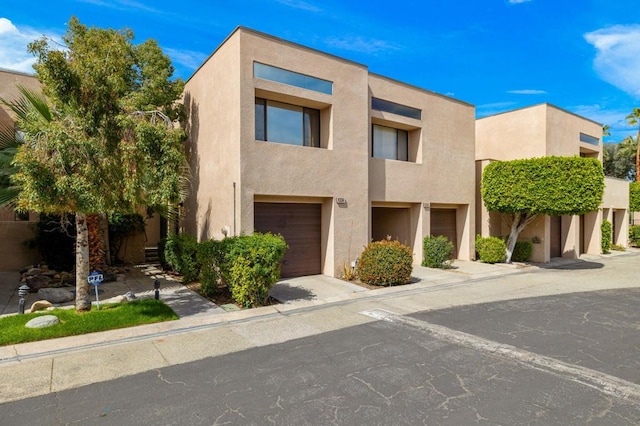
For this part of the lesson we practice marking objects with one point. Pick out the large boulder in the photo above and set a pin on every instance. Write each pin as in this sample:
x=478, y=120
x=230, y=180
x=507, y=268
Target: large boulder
x=43, y=321
x=56, y=295
x=37, y=282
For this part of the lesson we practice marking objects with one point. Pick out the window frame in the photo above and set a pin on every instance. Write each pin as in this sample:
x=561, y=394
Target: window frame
x=397, y=142
x=310, y=123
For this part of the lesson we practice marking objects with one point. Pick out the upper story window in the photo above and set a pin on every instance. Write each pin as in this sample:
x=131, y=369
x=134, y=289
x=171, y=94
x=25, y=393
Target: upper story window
x=394, y=108
x=291, y=78
x=390, y=143
x=589, y=139
x=286, y=123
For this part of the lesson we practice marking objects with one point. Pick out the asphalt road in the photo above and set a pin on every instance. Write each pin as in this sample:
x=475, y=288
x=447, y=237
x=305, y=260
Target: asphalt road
x=566, y=360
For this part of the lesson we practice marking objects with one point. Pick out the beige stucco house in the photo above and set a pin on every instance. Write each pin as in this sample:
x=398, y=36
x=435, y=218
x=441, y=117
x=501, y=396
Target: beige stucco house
x=545, y=130
x=292, y=140
x=15, y=228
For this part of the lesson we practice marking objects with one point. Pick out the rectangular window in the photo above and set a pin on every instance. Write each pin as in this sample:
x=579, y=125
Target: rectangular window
x=589, y=139
x=390, y=143
x=291, y=78
x=286, y=123
x=394, y=108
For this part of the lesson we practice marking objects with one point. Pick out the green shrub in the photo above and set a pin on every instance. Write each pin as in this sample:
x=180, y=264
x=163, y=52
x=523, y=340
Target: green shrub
x=634, y=235
x=522, y=251
x=605, y=243
x=250, y=264
x=491, y=249
x=617, y=247
x=437, y=252
x=210, y=255
x=179, y=252
x=385, y=263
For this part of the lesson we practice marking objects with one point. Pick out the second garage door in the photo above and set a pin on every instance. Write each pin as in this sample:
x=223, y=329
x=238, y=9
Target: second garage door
x=443, y=222
x=300, y=225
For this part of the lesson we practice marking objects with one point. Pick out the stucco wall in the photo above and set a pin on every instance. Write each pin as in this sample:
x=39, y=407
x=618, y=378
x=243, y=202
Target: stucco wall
x=212, y=100
x=291, y=173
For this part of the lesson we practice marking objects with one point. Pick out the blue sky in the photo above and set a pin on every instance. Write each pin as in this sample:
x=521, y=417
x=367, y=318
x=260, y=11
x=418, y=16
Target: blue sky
x=581, y=55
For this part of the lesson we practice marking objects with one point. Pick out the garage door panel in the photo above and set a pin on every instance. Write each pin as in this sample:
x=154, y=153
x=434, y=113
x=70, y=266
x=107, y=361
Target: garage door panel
x=300, y=226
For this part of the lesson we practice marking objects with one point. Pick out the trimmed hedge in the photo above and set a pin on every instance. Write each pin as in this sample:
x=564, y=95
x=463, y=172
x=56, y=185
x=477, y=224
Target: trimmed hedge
x=634, y=235
x=549, y=185
x=605, y=243
x=385, y=263
x=522, y=251
x=437, y=252
x=634, y=196
x=249, y=264
x=491, y=249
x=180, y=252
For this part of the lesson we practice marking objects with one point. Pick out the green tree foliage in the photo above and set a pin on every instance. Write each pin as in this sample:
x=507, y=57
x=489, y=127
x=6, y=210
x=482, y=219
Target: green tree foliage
x=107, y=144
x=633, y=119
x=524, y=189
x=619, y=159
x=634, y=196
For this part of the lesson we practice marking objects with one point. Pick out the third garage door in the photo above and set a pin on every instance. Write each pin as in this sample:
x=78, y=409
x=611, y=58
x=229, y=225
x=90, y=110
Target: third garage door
x=300, y=225
x=443, y=222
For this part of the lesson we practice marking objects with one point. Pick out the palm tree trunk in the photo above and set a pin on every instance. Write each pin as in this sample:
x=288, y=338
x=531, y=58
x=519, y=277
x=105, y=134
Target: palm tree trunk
x=83, y=301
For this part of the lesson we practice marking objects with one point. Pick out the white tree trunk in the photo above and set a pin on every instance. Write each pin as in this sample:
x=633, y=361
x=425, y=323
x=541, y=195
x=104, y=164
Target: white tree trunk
x=519, y=221
x=83, y=300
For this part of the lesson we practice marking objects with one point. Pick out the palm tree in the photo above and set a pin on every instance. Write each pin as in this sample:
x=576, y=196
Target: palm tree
x=30, y=106
x=633, y=119
x=625, y=158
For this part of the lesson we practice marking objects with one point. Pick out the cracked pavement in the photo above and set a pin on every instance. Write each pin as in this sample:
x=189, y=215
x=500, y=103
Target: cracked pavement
x=389, y=372
x=554, y=356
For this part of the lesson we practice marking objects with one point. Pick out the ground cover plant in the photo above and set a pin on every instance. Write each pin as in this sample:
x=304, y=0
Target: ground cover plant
x=72, y=323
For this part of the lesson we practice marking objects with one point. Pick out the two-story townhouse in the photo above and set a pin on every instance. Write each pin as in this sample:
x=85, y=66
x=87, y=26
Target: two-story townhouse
x=546, y=130
x=291, y=140
x=15, y=227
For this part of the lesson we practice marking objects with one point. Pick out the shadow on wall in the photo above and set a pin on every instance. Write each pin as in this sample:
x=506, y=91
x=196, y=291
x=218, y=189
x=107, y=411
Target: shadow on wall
x=192, y=128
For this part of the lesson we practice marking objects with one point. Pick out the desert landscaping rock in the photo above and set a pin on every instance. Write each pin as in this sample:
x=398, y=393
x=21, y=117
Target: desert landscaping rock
x=40, y=305
x=43, y=321
x=37, y=282
x=56, y=295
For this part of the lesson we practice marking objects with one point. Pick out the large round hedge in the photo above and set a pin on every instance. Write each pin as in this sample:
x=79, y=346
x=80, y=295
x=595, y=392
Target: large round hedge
x=385, y=263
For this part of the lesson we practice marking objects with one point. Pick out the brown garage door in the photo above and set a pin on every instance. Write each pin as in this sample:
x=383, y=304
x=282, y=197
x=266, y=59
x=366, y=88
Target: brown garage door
x=443, y=222
x=299, y=224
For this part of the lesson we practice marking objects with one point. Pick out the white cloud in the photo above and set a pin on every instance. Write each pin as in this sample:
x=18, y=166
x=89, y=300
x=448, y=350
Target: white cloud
x=613, y=117
x=527, y=92
x=298, y=4
x=617, y=58
x=360, y=44
x=13, y=46
x=121, y=5
x=187, y=58
x=518, y=1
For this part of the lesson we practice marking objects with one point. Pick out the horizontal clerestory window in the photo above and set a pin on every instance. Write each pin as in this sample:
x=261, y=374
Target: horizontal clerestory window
x=268, y=72
x=589, y=139
x=286, y=123
x=394, y=108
